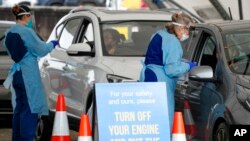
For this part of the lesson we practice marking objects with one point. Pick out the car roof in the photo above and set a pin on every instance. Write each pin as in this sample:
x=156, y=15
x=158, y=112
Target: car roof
x=4, y=23
x=105, y=14
x=230, y=24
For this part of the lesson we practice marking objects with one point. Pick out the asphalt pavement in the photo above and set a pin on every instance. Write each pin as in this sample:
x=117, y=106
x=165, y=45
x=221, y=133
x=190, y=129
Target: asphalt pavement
x=5, y=133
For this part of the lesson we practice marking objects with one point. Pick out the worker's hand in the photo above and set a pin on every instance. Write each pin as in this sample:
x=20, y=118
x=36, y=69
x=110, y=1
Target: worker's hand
x=55, y=43
x=191, y=64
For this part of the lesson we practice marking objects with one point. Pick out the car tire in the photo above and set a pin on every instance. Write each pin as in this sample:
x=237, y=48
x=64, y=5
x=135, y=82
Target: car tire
x=44, y=129
x=221, y=133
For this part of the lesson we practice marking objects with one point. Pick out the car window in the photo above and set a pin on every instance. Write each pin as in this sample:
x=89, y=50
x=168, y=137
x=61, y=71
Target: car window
x=188, y=46
x=209, y=46
x=208, y=55
x=86, y=34
x=128, y=38
x=238, y=50
x=68, y=33
x=59, y=29
x=89, y=34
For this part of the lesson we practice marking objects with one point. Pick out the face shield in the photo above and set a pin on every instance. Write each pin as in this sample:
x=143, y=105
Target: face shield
x=32, y=22
x=32, y=15
x=184, y=33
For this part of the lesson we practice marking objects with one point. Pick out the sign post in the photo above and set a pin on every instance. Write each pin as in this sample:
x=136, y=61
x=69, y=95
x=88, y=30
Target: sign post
x=132, y=111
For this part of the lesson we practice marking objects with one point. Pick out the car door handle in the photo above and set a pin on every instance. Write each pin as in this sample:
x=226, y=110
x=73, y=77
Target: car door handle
x=66, y=68
x=46, y=63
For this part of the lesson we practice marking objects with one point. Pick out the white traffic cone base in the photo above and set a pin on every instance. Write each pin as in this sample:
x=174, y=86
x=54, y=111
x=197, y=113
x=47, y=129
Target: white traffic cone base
x=61, y=127
x=84, y=138
x=178, y=137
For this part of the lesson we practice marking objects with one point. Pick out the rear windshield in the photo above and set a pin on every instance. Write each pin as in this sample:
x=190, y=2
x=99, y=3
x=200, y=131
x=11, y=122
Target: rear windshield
x=128, y=38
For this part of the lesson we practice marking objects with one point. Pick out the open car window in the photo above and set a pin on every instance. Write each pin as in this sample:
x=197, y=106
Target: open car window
x=133, y=37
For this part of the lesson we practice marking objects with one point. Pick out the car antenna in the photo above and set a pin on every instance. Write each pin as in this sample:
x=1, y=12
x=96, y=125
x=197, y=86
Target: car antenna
x=229, y=10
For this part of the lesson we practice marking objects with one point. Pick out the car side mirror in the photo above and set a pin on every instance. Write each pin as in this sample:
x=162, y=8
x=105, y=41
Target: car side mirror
x=80, y=49
x=202, y=73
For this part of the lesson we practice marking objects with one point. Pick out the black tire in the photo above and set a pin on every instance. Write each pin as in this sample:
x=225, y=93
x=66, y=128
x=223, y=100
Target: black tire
x=44, y=129
x=221, y=133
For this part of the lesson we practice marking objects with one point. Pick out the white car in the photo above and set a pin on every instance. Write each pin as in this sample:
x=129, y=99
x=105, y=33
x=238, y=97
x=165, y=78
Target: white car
x=81, y=60
x=10, y=3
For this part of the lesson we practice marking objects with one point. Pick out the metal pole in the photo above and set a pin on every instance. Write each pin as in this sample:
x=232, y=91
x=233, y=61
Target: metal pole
x=240, y=9
x=231, y=17
x=220, y=9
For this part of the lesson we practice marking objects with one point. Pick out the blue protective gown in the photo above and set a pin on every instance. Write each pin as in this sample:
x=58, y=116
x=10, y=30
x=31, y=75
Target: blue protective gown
x=163, y=64
x=24, y=47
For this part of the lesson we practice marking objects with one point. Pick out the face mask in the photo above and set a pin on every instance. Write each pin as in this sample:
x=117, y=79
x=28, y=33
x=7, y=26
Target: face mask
x=184, y=37
x=29, y=24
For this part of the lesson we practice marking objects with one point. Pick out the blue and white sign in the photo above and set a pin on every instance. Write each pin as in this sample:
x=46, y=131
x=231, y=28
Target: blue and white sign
x=132, y=111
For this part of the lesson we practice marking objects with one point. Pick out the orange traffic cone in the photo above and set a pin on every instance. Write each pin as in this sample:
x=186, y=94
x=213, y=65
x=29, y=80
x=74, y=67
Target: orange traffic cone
x=190, y=127
x=60, y=127
x=84, y=133
x=178, y=131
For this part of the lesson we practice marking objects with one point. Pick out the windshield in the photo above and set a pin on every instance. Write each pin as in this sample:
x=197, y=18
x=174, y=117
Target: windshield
x=128, y=38
x=238, y=51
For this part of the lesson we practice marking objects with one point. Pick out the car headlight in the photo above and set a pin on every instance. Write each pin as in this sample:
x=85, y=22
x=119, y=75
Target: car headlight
x=243, y=95
x=118, y=79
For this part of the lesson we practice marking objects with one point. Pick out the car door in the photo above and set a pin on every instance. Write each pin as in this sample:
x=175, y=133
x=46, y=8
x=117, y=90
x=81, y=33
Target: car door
x=188, y=53
x=207, y=94
x=80, y=75
x=56, y=71
x=205, y=55
x=202, y=96
x=87, y=70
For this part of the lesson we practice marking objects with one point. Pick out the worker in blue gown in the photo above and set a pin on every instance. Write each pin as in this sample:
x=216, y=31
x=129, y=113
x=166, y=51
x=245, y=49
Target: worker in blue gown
x=25, y=47
x=163, y=61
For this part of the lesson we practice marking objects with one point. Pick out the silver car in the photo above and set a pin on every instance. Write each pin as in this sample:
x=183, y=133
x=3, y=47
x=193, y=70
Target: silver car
x=5, y=62
x=81, y=60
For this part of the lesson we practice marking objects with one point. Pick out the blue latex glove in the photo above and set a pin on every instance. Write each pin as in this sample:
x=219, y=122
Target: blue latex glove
x=55, y=42
x=191, y=64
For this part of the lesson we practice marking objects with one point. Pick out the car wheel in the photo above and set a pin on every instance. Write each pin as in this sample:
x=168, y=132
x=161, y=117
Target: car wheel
x=221, y=133
x=44, y=129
